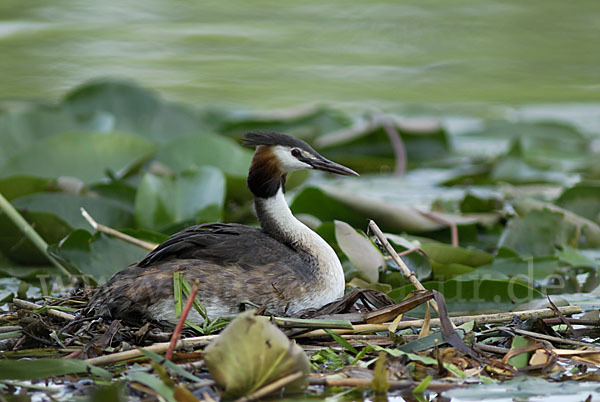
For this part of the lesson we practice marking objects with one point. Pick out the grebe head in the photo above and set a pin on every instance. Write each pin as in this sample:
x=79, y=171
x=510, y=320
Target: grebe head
x=277, y=155
x=289, y=154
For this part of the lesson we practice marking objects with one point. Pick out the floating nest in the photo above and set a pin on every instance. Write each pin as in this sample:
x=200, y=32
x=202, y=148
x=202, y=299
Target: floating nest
x=343, y=340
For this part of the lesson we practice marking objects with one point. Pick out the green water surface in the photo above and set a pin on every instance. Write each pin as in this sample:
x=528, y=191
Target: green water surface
x=271, y=54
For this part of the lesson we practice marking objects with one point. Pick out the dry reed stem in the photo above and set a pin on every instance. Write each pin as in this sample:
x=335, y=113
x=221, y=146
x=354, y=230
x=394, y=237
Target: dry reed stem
x=435, y=322
x=366, y=383
x=548, y=337
x=115, y=233
x=272, y=387
x=50, y=311
x=403, y=267
x=156, y=348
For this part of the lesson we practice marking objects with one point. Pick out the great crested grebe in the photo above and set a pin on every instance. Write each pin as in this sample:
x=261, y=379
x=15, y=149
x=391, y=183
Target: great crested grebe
x=283, y=265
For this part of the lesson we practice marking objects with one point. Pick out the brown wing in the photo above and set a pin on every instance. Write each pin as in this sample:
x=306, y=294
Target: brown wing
x=224, y=244
x=231, y=262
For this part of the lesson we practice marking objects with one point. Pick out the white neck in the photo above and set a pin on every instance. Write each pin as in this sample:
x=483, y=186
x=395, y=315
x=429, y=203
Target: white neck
x=277, y=219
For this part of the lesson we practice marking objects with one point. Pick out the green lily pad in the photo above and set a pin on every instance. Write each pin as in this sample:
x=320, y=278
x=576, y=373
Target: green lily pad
x=448, y=254
x=193, y=195
x=586, y=232
x=473, y=204
x=356, y=210
x=18, y=186
x=442, y=272
x=129, y=108
x=373, y=151
x=44, y=368
x=194, y=151
x=97, y=256
x=470, y=296
x=416, y=262
x=576, y=259
x=529, y=269
x=16, y=246
x=515, y=170
x=26, y=272
x=308, y=124
x=116, y=190
x=583, y=200
x=86, y=156
x=21, y=129
x=522, y=359
x=537, y=233
x=67, y=207
x=536, y=141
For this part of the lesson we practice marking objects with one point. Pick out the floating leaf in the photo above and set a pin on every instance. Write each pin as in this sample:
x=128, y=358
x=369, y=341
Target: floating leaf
x=583, y=200
x=476, y=295
x=44, y=368
x=306, y=124
x=586, y=231
x=115, y=190
x=98, y=256
x=250, y=353
x=193, y=151
x=129, y=108
x=86, y=156
x=153, y=383
x=21, y=129
x=26, y=272
x=416, y=261
x=575, y=258
x=535, y=270
x=68, y=208
x=522, y=359
x=443, y=272
x=473, y=204
x=356, y=210
x=196, y=196
x=515, y=170
x=372, y=150
x=16, y=246
x=537, y=234
x=18, y=186
x=447, y=254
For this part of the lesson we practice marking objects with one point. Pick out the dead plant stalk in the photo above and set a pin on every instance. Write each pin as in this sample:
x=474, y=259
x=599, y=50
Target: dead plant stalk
x=161, y=347
x=115, y=233
x=33, y=306
x=403, y=267
x=435, y=322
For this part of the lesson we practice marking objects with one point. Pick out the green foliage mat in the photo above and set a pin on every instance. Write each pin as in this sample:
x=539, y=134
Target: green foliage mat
x=147, y=167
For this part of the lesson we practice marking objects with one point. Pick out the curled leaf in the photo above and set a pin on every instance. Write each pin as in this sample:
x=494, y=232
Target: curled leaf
x=360, y=251
x=251, y=353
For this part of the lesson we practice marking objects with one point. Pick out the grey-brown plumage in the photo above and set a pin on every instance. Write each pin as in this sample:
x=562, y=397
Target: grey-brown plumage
x=283, y=265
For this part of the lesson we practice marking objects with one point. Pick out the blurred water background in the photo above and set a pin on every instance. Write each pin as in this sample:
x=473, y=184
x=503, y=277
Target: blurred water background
x=469, y=56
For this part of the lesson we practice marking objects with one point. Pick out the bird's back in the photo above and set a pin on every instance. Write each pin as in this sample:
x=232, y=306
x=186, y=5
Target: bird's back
x=232, y=263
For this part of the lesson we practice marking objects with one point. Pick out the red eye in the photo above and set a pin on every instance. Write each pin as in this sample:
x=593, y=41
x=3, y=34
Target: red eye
x=295, y=152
